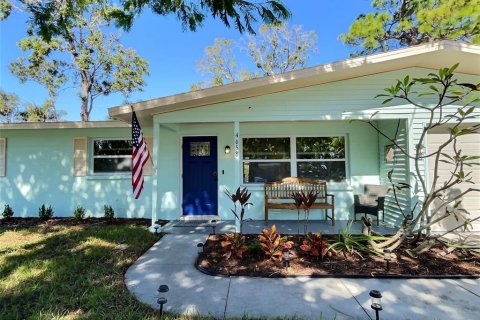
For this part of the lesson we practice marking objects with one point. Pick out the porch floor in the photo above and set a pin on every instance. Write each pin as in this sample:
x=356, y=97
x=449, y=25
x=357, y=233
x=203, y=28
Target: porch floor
x=256, y=226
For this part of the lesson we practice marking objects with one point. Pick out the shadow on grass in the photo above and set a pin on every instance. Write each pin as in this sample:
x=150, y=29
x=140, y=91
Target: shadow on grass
x=74, y=272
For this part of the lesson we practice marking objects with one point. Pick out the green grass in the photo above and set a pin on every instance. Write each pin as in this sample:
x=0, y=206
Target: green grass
x=73, y=272
x=70, y=272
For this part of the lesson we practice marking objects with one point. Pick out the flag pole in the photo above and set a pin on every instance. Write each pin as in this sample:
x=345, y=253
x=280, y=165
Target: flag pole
x=150, y=157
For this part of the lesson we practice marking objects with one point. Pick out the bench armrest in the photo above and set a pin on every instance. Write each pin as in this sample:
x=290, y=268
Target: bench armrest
x=356, y=199
x=332, y=196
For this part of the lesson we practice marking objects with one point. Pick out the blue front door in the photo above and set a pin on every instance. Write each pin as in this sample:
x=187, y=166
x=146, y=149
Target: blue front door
x=200, y=186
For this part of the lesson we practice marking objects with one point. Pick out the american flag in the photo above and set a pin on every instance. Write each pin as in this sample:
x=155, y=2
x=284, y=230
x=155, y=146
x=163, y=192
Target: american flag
x=140, y=156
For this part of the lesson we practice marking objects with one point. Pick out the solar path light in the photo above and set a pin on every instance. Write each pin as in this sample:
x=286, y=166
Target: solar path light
x=376, y=298
x=162, y=297
x=199, y=248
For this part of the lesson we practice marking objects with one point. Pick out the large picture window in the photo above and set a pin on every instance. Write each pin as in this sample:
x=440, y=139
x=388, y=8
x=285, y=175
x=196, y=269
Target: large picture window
x=266, y=159
x=271, y=159
x=321, y=158
x=112, y=156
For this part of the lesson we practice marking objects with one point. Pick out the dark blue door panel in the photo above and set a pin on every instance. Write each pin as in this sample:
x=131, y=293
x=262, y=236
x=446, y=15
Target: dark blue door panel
x=200, y=178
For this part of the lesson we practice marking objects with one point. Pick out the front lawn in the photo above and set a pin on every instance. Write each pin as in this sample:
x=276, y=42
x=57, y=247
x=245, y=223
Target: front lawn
x=68, y=271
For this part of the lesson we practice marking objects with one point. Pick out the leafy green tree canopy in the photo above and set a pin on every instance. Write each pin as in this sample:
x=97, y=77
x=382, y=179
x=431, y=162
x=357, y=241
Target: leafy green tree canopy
x=240, y=13
x=49, y=16
x=82, y=53
x=5, y=9
x=398, y=23
x=275, y=49
x=12, y=109
x=8, y=105
x=220, y=65
x=280, y=48
x=68, y=37
x=46, y=112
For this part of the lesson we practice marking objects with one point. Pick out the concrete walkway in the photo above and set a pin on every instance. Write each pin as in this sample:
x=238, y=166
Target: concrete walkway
x=170, y=261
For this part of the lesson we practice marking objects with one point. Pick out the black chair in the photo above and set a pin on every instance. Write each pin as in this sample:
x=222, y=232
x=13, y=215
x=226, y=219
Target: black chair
x=371, y=202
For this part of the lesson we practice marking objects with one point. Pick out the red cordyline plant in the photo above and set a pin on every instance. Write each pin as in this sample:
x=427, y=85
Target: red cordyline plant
x=234, y=244
x=241, y=196
x=273, y=243
x=305, y=201
x=315, y=245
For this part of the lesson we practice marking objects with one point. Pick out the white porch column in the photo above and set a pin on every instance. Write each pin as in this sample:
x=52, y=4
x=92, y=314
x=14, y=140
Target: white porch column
x=156, y=157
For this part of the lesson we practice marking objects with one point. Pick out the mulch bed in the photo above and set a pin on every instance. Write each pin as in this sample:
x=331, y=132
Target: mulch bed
x=24, y=223
x=435, y=262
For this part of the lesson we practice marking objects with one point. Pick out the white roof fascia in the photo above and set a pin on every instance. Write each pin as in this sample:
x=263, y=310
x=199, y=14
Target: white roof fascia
x=64, y=125
x=430, y=55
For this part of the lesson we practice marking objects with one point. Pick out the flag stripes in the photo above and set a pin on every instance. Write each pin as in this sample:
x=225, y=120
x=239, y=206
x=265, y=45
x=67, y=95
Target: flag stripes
x=140, y=156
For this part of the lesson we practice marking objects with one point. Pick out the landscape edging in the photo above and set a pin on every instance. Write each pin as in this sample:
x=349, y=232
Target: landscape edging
x=346, y=276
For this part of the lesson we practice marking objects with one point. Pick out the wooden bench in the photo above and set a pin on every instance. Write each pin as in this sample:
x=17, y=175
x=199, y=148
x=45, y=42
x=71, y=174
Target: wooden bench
x=278, y=195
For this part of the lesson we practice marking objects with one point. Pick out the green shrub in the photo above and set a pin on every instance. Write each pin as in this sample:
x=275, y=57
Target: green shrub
x=109, y=213
x=79, y=213
x=7, y=212
x=354, y=244
x=45, y=213
x=255, y=247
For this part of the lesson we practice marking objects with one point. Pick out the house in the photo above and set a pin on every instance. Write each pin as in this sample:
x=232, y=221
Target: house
x=245, y=133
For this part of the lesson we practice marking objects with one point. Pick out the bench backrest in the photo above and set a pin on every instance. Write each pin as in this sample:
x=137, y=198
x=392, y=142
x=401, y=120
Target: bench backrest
x=283, y=189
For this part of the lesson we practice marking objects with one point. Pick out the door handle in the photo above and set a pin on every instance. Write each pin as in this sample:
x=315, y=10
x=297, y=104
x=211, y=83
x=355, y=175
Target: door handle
x=215, y=175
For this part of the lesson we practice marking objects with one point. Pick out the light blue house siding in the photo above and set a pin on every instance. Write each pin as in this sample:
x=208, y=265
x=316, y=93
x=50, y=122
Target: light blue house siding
x=325, y=109
x=40, y=161
x=362, y=163
x=39, y=170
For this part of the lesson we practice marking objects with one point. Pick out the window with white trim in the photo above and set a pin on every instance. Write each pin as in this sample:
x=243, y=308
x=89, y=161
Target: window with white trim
x=272, y=159
x=112, y=156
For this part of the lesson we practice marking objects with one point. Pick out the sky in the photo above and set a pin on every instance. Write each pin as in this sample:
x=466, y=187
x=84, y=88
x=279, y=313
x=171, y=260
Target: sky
x=173, y=53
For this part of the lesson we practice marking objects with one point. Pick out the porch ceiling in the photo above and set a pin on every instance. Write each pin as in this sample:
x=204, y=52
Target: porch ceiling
x=432, y=55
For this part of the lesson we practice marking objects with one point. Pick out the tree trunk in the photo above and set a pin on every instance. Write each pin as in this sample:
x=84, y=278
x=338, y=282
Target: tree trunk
x=85, y=114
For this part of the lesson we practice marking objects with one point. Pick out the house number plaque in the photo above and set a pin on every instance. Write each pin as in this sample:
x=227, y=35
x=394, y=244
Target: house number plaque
x=237, y=145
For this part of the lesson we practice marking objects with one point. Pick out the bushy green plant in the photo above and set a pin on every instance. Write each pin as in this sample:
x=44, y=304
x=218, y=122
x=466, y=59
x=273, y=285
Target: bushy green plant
x=7, y=212
x=354, y=244
x=272, y=243
x=45, y=213
x=109, y=212
x=79, y=213
x=234, y=244
x=466, y=246
x=254, y=247
x=314, y=245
